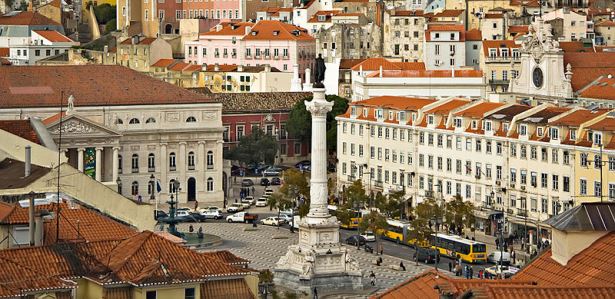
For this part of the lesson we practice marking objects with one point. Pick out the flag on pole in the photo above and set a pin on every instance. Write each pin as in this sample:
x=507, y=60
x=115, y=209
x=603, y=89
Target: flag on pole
x=158, y=187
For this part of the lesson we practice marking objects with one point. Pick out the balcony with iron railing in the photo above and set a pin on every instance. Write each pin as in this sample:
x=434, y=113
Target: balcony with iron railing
x=498, y=82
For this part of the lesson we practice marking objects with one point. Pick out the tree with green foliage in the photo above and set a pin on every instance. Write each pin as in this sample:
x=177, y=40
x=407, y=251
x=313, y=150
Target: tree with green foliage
x=111, y=26
x=391, y=205
x=355, y=196
x=296, y=185
x=374, y=222
x=459, y=214
x=104, y=13
x=255, y=148
x=299, y=122
x=426, y=215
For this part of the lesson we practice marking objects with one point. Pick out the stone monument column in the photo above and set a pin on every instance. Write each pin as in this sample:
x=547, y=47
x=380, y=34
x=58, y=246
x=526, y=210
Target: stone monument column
x=319, y=107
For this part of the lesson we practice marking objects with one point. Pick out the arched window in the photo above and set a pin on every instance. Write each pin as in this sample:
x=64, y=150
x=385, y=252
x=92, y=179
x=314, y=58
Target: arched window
x=119, y=164
x=150, y=120
x=191, y=119
x=134, y=121
x=135, y=163
x=172, y=164
x=172, y=186
x=210, y=160
x=191, y=160
x=210, y=185
x=151, y=163
x=119, y=121
x=135, y=188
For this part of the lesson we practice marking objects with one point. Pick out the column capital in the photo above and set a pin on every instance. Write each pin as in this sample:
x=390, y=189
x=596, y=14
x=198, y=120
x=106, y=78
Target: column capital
x=81, y=149
x=99, y=148
x=201, y=142
x=117, y=148
x=182, y=143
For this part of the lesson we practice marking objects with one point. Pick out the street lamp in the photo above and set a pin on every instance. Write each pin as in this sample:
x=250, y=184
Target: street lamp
x=172, y=221
x=119, y=185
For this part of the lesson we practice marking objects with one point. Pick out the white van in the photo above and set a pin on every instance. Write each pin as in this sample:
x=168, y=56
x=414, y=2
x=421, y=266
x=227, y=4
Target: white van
x=494, y=257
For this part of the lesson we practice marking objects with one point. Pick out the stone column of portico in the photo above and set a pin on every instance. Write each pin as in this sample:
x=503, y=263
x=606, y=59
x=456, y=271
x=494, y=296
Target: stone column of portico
x=116, y=164
x=80, y=158
x=319, y=107
x=164, y=162
x=99, y=163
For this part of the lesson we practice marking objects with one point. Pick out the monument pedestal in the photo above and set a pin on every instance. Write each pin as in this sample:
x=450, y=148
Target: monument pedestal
x=318, y=260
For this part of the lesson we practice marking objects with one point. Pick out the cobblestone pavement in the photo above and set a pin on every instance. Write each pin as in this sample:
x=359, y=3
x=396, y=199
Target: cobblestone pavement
x=263, y=248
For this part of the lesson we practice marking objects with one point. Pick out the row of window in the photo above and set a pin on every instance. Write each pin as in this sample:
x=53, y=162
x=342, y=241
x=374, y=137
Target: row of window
x=151, y=120
x=151, y=162
x=37, y=53
x=134, y=187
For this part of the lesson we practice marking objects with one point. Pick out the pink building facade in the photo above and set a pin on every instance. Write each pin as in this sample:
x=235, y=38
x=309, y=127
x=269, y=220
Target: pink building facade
x=171, y=11
x=275, y=43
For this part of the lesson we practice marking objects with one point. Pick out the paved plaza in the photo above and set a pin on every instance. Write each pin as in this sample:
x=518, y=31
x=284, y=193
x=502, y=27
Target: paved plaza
x=264, y=246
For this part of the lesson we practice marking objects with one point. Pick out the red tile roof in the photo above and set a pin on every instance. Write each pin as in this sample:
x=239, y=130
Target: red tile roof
x=447, y=107
x=518, y=29
x=428, y=74
x=575, y=47
x=592, y=267
x=407, y=13
x=163, y=62
x=449, y=13
x=41, y=86
x=479, y=110
x=606, y=23
x=499, y=44
x=396, y=102
x=326, y=13
x=445, y=28
x=276, y=30
x=27, y=18
x=578, y=117
x=142, y=41
x=474, y=35
x=539, y=292
x=54, y=36
x=374, y=64
x=4, y=52
x=346, y=64
x=602, y=88
x=607, y=124
x=21, y=128
x=587, y=67
x=230, y=28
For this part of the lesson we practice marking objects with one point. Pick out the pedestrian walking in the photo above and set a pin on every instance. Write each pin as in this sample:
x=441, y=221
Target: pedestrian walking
x=315, y=293
x=401, y=266
x=471, y=272
x=450, y=267
x=379, y=261
x=372, y=278
x=253, y=190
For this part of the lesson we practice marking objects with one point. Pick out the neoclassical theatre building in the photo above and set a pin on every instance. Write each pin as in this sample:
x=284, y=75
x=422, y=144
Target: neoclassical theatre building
x=123, y=128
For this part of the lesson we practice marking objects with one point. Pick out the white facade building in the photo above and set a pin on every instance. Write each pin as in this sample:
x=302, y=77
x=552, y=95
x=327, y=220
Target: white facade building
x=444, y=46
x=41, y=44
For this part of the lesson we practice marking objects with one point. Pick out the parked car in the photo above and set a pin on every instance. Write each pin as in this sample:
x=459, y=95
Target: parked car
x=276, y=181
x=426, y=255
x=247, y=183
x=356, y=240
x=272, y=171
x=268, y=191
x=211, y=213
x=265, y=182
x=248, y=199
x=261, y=202
x=246, y=205
x=507, y=271
x=285, y=217
x=304, y=165
x=235, y=207
x=494, y=257
x=369, y=236
x=275, y=221
x=242, y=217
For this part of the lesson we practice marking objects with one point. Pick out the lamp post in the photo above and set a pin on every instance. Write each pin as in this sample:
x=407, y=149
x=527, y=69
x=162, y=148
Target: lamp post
x=119, y=185
x=172, y=221
x=152, y=196
x=369, y=185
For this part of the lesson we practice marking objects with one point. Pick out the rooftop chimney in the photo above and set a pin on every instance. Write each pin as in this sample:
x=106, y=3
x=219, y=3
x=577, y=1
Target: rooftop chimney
x=28, y=162
x=248, y=29
x=380, y=71
x=240, y=68
x=216, y=67
x=267, y=68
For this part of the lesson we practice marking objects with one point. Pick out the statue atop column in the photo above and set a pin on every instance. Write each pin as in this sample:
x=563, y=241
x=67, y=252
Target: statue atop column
x=319, y=74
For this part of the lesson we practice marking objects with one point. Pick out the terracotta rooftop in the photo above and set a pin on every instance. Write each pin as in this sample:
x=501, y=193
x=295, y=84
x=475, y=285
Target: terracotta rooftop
x=576, y=47
x=326, y=13
x=449, y=13
x=346, y=64
x=396, y=102
x=576, y=118
x=12, y=174
x=233, y=103
x=276, y=9
x=142, y=41
x=21, y=128
x=607, y=124
x=407, y=13
x=428, y=74
x=164, y=63
x=507, y=114
x=499, y=44
x=229, y=28
x=445, y=28
x=479, y=110
x=5, y=52
x=587, y=67
x=518, y=29
x=474, y=35
x=54, y=36
x=235, y=68
x=592, y=267
x=276, y=30
x=374, y=64
x=543, y=116
x=447, y=107
x=27, y=18
x=602, y=88
x=41, y=86
x=606, y=23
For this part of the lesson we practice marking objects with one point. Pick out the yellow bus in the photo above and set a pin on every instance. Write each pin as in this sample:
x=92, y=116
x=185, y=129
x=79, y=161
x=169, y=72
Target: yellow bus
x=354, y=219
x=398, y=231
x=459, y=248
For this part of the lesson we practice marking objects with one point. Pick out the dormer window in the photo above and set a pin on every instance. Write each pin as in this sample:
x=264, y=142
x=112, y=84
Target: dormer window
x=353, y=111
x=276, y=33
x=322, y=18
x=254, y=33
x=488, y=126
x=390, y=115
x=573, y=134
x=504, y=52
x=523, y=130
x=598, y=138
x=493, y=53
x=401, y=115
x=515, y=53
x=505, y=127
x=457, y=122
x=554, y=133
x=474, y=125
x=379, y=114
x=540, y=131
x=430, y=119
x=365, y=112
x=413, y=117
